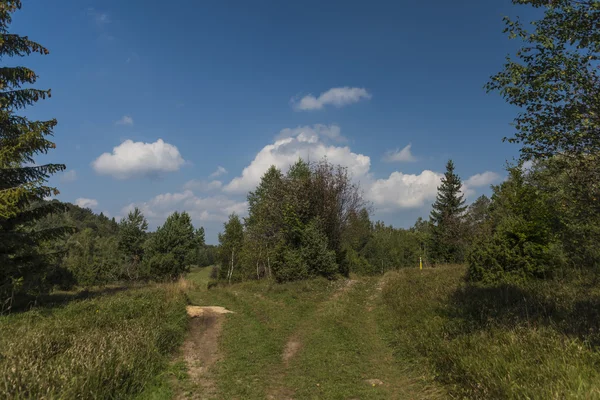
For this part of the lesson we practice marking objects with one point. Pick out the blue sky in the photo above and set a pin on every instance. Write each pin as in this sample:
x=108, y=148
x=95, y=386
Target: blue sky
x=153, y=97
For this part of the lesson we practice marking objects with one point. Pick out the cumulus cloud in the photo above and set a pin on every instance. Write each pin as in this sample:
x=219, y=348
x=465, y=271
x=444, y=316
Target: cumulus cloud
x=484, y=179
x=306, y=143
x=133, y=159
x=216, y=208
x=68, y=176
x=202, y=186
x=399, y=191
x=220, y=171
x=125, y=120
x=398, y=155
x=331, y=132
x=86, y=203
x=404, y=191
x=337, y=97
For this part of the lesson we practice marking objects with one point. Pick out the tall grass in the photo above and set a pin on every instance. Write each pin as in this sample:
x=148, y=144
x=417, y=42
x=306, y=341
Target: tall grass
x=108, y=347
x=535, y=340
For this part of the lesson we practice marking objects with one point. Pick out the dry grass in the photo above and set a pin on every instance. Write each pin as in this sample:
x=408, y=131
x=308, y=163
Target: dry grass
x=106, y=347
x=506, y=341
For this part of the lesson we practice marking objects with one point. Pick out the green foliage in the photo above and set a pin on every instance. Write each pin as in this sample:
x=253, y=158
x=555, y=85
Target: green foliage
x=391, y=248
x=319, y=259
x=554, y=79
x=108, y=347
x=447, y=228
x=22, y=182
x=289, y=265
x=300, y=219
x=532, y=232
x=230, y=246
x=132, y=235
x=172, y=248
x=92, y=259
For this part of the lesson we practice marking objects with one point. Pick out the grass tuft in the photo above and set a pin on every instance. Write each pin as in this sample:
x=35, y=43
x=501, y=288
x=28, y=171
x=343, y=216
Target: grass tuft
x=106, y=347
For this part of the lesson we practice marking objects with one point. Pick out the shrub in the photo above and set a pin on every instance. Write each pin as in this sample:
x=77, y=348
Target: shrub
x=289, y=265
x=319, y=260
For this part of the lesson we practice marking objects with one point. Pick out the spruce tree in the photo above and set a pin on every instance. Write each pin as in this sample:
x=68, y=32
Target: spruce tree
x=446, y=218
x=22, y=182
x=132, y=235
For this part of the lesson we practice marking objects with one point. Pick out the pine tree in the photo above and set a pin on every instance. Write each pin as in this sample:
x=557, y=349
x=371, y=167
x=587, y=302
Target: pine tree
x=446, y=218
x=22, y=182
x=132, y=235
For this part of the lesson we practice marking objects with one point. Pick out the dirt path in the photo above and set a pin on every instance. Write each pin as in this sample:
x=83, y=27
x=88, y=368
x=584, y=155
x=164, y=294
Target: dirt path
x=200, y=351
x=339, y=352
x=278, y=390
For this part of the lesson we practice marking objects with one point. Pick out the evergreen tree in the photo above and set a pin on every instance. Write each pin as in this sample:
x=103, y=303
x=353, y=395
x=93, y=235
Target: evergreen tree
x=172, y=247
x=132, y=235
x=22, y=182
x=446, y=218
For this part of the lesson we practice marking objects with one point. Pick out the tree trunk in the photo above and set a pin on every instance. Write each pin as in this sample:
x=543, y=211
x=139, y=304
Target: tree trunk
x=231, y=270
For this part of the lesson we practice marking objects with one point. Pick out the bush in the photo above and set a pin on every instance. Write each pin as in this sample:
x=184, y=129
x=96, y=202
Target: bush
x=509, y=257
x=289, y=265
x=319, y=260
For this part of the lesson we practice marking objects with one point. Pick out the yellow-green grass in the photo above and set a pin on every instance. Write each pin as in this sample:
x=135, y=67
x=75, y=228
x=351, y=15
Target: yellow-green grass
x=534, y=341
x=107, y=347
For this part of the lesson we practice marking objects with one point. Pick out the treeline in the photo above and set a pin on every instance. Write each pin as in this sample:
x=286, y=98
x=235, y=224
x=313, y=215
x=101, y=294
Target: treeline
x=543, y=221
x=314, y=221
x=96, y=250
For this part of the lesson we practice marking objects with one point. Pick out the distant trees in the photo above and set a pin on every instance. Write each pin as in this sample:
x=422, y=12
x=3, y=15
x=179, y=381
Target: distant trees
x=22, y=182
x=312, y=221
x=295, y=225
x=447, y=229
x=173, y=247
x=132, y=235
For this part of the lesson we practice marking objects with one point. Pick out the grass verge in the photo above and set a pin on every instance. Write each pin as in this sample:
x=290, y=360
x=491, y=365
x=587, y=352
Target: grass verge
x=506, y=341
x=107, y=347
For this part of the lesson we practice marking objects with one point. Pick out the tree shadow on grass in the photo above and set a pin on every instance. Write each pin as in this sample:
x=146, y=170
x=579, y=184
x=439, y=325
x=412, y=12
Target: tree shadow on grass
x=572, y=309
x=26, y=302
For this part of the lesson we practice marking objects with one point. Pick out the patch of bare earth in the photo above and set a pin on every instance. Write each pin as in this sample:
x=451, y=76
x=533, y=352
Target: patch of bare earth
x=200, y=351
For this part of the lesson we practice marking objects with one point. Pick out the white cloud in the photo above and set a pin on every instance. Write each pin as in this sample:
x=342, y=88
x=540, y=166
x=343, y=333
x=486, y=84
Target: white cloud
x=86, y=203
x=100, y=18
x=483, y=179
x=527, y=166
x=337, y=97
x=404, y=191
x=399, y=191
x=220, y=171
x=305, y=143
x=125, y=120
x=131, y=159
x=203, y=186
x=332, y=132
x=68, y=176
x=398, y=155
x=216, y=208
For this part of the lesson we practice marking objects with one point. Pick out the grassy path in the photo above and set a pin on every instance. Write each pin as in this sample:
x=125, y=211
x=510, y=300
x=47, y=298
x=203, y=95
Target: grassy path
x=303, y=340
